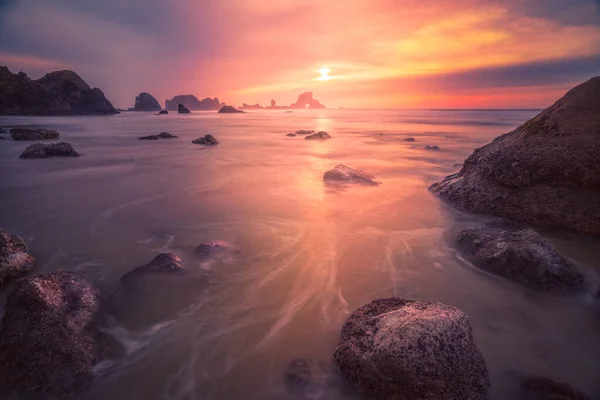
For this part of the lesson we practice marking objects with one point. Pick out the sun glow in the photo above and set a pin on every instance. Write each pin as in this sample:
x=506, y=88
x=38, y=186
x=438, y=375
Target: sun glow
x=324, y=74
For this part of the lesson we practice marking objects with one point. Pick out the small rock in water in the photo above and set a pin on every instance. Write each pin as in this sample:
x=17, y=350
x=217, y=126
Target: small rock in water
x=229, y=110
x=409, y=139
x=322, y=135
x=207, y=140
x=291, y=134
x=212, y=247
x=521, y=255
x=33, y=134
x=181, y=109
x=14, y=256
x=149, y=137
x=345, y=174
x=540, y=388
x=162, y=264
x=304, y=132
x=40, y=150
x=166, y=135
x=162, y=112
x=435, y=148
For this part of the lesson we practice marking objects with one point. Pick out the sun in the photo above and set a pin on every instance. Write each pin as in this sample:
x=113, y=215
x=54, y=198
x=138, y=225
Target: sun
x=324, y=74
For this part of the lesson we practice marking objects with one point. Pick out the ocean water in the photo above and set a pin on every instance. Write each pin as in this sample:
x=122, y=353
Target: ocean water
x=305, y=255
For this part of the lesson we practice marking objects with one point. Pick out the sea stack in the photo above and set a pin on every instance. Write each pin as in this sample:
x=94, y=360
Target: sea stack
x=545, y=172
x=181, y=109
x=146, y=102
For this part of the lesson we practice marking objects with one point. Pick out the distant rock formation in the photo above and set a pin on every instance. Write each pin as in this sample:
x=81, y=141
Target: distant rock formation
x=545, y=172
x=181, y=109
x=146, y=102
x=251, y=106
x=306, y=99
x=33, y=134
x=40, y=150
x=229, y=110
x=57, y=93
x=207, y=140
x=191, y=102
x=162, y=135
x=273, y=103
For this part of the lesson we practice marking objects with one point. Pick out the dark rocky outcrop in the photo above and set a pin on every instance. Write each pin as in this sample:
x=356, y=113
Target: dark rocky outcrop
x=14, y=256
x=57, y=93
x=33, y=134
x=163, y=112
x=434, y=148
x=212, y=247
x=539, y=388
x=163, y=265
x=322, y=135
x=518, y=254
x=181, y=109
x=191, y=102
x=146, y=102
x=229, y=110
x=304, y=132
x=306, y=100
x=207, y=140
x=47, y=340
x=162, y=135
x=409, y=139
x=40, y=150
x=545, y=172
x=344, y=174
x=291, y=135
x=411, y=350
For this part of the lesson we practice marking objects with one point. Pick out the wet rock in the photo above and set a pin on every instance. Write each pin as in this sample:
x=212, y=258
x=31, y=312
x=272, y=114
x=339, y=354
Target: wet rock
x=521, y=255
x=47, y=347
x=545, y=172
x=40, y=150
x=409, y=139
x=408, y=350
x=211, y=248
x=434, y=148
x=146, y=102
x=164, y=264
x=304, y=132
x=33, y=134
x=344, y=174
x=163, y=112
x=149, y=137
x=322, y=135
x=14, y=256
x=181, y=109
x=291, y=135
x=229, y=110
x=162, y=135
x=207, y=140
x=539, y=388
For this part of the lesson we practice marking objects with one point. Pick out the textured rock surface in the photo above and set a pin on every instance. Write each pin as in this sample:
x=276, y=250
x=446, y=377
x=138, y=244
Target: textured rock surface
x=521, y=255
x=162, y=265
x=410, y=350
x=40, y=150
x=322, y=135
x=545, y=172
x=47, y=345
x=304, y=132
x=539, y=388
x=229, y=110
x=191, y=102
x=57, y=93
x=146, y=102
x=162, y=135
x=207, y=140
x=14, y=256
x=211, y=248
x=344, y=174
x=181, y=109
x=33, y=134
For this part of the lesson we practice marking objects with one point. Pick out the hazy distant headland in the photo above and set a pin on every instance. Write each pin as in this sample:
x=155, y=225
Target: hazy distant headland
x=305, y=100
x=191, y=102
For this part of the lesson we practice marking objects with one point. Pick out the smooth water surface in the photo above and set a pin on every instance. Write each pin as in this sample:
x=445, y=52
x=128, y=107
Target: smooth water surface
x=307, y=255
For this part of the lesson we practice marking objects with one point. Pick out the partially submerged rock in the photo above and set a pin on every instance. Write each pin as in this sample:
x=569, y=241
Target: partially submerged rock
x=304, y=132
x=545, y=172
x=162, y=135
x=207, y=140
x=163, y=112
x=164, y=264
x=229, y=110
x=212, y=247
x=344, y=174
x=540, y=388
x=14, y=256
x=181, y=109
x=322, y=135
x=40, y=150
x=407, y=350
x=434, y=148
x=291, y=135
x=46, y=345
x=518, y=254
x=409, y=139
x=33, y=134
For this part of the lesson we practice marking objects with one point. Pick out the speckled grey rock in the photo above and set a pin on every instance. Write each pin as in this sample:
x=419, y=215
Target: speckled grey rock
x=347, y=175
x=46, y=346
x=322, y=135
x=540, y=388
x=14, y=256
x=395, y=349
x=206, y=140
x=33, y=134
x=521, y=255
x=164, y=264
x=40, y=150
x=545, y=172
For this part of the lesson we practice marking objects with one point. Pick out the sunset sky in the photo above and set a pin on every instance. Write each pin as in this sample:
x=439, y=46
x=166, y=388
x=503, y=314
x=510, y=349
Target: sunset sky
x=380, y=53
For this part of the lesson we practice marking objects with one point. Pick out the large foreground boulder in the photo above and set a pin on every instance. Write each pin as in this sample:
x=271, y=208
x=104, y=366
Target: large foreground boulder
x=346, y=175
x=40, y=150
x=33, y=134
x=57, y=93
x=46, y=345
x=14, y=256
x=545, y=172
x=146, y=102
x=521, y=255
x=395, y=349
